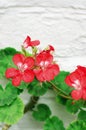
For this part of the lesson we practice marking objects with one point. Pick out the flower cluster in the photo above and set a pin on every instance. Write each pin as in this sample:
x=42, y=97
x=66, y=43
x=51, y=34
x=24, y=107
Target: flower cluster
x=77, y=80
x=36, y=72
x=40, y=65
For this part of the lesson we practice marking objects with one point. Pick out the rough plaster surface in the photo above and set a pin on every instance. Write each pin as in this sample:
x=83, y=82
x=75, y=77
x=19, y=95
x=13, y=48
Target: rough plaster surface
x=60, y=23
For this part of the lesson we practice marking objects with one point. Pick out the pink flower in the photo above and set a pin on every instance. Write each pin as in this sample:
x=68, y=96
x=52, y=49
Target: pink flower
x=24, y=71
x=77, y=80
x=46, y=69
x=27, y=42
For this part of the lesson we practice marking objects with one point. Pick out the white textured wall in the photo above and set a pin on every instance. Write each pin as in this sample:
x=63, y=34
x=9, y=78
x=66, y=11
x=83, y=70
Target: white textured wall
x=61, y=23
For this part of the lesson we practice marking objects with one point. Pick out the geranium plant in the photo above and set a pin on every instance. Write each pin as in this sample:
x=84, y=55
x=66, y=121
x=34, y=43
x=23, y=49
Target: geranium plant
x=37, y=72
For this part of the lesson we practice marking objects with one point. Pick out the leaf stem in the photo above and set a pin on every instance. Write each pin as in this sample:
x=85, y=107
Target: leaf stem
x=64, y=95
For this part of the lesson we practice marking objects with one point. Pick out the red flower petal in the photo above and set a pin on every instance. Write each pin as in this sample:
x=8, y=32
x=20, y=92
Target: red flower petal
x=29, y=61
x=17, y=80
x=43, y=57
x=51, y=48
x=84, y=94
x=27, y=42
x=28, y=76
x=76, y=94
x=55, y=69
x=11, y=72
x=71, y=78
x=47, y=74
x=34, y=43
x=68, y=81
x=81, y=70
x=51, y=72
x=74, y=76
x=39, y=75
x=83, y=82
x=44, y=75
x=18, y=59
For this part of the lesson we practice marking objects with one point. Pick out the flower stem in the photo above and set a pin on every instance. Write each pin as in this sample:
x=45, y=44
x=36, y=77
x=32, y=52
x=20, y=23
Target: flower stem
x=29, y=107
x=23, y=50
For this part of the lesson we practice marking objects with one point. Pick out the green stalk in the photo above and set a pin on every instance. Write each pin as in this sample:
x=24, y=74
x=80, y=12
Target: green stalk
x=6, y=127
x=30, y=105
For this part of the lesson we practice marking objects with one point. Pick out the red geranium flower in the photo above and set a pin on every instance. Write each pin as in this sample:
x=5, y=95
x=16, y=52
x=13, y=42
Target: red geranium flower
x=27, y=42
x=23, y=72
x=46, y=69
x=77, y=80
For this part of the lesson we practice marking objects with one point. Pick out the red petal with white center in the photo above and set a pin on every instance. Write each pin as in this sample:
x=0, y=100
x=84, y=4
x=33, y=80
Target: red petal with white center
x=76, y=95
x=27, y=42
x=11, y=72
x=34, y=43
x=17, y=80
x=29, y=62
x=43, y=57
x=28, y=76
x=18, y=59
x=72, y=78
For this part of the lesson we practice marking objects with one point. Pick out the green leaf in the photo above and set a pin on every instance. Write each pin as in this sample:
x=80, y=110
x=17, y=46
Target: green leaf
x=7, y=52
x=6, y=59
x=73, y=106
x=59, y=82
x=10, y=51
x=42, y=113
x=77, y=125
x=37, y=88
x=82, y=115
x=53, y=123
x=2, y=69
x=7, y=94
x=23, y=86
x=12, y=113
x=61, y=100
